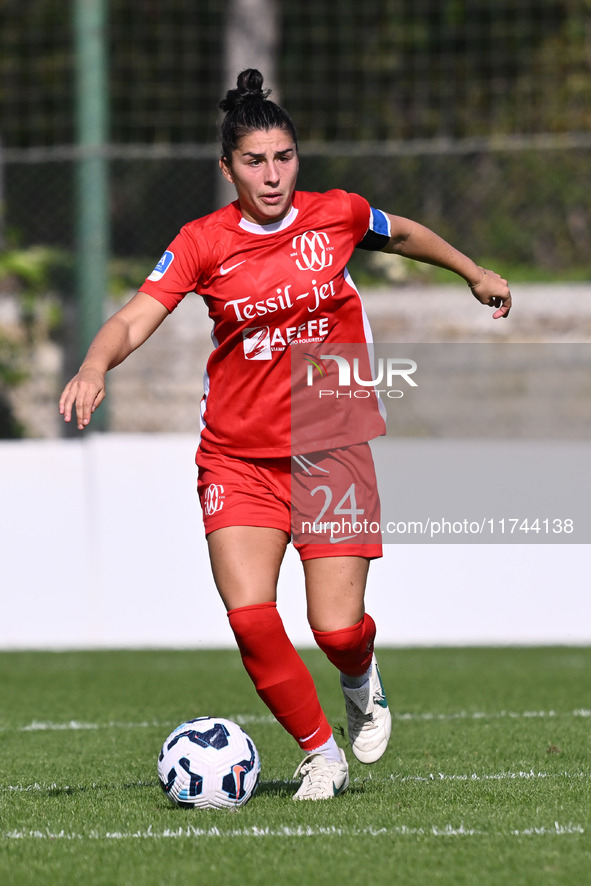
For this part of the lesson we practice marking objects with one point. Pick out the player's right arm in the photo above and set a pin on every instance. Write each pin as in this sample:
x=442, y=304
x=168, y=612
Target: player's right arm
x=123, y=333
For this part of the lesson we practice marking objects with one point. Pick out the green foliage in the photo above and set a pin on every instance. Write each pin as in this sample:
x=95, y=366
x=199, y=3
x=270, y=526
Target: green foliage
x=528, y=209
x=436, y=71
x=487, y=777
x=31, y=273
x=10, y=427
x=28, y=276
x=381, y=69
x=433, y=68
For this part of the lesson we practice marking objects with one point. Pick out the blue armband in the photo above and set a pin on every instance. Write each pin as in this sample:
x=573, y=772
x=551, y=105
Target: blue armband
x=378, y=233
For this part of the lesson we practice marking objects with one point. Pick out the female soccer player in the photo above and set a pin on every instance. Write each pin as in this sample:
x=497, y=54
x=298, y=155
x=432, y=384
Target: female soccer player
x=271, y=269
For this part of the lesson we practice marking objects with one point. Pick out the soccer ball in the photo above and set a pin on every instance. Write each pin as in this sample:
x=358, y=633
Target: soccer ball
x=209, y=763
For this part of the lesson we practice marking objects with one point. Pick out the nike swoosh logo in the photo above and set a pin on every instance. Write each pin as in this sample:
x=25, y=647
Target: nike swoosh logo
x=224, y=270
x=335, y=541
x=383, y=701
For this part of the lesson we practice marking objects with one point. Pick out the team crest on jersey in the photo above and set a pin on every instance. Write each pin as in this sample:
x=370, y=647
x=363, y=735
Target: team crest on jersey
x=257, y=343
x=213, y=500
x=313, y=251
x=162, y=266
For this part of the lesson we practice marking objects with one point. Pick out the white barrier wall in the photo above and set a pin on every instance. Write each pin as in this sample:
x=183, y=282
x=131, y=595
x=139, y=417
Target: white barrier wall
x=102, y=546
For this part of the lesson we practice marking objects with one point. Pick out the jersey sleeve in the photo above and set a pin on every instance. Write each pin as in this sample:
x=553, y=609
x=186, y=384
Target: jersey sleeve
x=361, y=216
x=177, y=273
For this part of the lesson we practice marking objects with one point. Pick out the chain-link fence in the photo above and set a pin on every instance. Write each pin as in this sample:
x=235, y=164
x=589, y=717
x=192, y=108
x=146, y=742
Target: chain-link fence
x=384, y=69
x=471, y=116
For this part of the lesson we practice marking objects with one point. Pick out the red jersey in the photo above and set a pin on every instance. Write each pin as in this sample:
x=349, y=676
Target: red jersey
x=268, y=289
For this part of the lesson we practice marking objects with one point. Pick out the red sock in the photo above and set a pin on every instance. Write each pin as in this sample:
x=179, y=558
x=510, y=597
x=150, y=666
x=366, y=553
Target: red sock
x=349, y=649
x=279, y=675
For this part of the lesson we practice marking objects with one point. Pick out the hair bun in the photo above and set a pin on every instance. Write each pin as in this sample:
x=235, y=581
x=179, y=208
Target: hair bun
x=248, y=88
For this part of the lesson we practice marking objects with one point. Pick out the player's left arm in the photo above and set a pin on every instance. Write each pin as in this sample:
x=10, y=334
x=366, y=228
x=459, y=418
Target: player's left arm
x=412, y=240
x=403, y=236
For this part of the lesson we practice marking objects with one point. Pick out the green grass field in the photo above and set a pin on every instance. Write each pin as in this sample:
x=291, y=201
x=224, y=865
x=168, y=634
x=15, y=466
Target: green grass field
x=486, y=780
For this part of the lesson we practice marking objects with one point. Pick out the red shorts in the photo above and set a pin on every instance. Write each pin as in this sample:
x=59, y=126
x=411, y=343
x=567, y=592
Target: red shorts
x=326, y=501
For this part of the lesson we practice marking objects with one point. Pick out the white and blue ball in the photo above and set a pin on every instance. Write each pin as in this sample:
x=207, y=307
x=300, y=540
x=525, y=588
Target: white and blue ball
x=209, y=763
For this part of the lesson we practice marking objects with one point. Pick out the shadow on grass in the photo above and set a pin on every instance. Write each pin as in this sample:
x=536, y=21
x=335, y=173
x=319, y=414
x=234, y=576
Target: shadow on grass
x=275, y=788
x=282, y=789
x=54, y=790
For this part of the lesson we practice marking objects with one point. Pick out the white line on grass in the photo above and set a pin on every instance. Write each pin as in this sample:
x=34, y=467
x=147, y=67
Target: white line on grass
x=191, y=832
x=53, y=787
x=76, y=725
x=499, y=715
x=248, y=719
x=497, y=776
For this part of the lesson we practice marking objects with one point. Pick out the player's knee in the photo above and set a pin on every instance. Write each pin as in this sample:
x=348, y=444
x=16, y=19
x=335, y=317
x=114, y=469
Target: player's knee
x=349, y=649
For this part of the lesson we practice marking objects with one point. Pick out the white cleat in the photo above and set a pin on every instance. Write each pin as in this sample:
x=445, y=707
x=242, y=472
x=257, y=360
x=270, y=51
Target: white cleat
x=368, y=715
x=322, y=779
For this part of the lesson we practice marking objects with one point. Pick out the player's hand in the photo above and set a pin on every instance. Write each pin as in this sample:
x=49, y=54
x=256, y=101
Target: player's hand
x=87, y=391
x=493, y=290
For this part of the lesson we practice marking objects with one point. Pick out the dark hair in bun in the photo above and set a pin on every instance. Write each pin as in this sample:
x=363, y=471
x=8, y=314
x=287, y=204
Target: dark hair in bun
x=248, y=109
